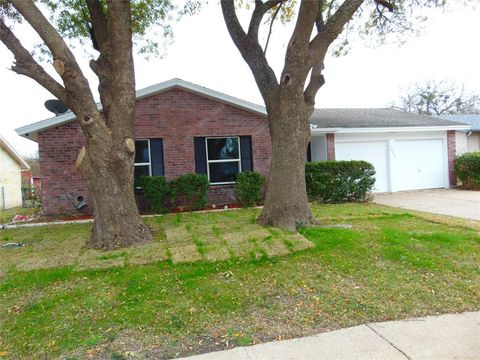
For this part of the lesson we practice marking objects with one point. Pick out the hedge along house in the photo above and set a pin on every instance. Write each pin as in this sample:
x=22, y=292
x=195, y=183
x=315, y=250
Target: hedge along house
x=184, y=128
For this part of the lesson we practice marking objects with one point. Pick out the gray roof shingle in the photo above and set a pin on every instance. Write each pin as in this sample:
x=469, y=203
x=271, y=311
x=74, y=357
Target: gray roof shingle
x=471, y=119
x=373, y=118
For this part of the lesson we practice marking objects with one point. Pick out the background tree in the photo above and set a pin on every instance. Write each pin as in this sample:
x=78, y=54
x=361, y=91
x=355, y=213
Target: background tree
x=106, y=161
x=439, y=98
x=290, y=99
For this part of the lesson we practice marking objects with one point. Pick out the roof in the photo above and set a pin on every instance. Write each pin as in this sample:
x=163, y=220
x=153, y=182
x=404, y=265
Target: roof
x=30, y=131
x=367, y=118
x=377, y=120
x=322, y=119
x=471, y=119
x=12, y=152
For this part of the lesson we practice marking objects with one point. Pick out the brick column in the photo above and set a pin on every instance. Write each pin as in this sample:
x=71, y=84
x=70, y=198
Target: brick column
x=331, y=146
x=451, y=157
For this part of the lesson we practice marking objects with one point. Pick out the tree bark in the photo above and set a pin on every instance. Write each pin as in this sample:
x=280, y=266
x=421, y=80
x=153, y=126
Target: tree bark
x=106, y=164
x=286, y=203
x=117, y=221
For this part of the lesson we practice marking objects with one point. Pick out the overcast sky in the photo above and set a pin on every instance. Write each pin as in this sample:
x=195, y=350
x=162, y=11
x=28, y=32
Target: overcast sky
x=203, y=53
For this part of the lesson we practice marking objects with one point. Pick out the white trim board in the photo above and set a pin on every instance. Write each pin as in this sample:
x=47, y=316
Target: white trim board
x=320, y=131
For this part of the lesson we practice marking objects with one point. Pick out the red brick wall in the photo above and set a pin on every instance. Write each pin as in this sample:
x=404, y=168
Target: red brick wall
x=330, y=146
x=451, y=157
x=177, y=116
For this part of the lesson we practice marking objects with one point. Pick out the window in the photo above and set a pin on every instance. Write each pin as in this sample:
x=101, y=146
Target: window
x=223, y=159
x=143, y=164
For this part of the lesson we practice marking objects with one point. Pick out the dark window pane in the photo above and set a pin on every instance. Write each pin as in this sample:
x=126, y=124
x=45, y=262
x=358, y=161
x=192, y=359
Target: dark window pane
x=141, y=170
x=141, y=151
x=223, y=171
x=222, y=148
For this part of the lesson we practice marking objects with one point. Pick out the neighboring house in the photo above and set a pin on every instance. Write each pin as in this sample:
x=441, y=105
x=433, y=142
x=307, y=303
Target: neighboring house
x=182, y=128
x=467, y=140
x=11, y=165
x=31, y=181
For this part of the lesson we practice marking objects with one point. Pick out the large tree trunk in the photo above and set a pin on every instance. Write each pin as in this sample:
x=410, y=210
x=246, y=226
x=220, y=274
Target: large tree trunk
x=106, y=164
x=286, y=202
x=117, y=221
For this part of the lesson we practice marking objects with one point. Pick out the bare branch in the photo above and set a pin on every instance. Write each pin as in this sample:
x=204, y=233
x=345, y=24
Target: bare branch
x=271, y=25
x=26, y=65
x=260, y=10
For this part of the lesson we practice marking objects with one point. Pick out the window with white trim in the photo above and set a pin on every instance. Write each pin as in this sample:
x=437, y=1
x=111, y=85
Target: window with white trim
x=223, y=159
x=143, y=160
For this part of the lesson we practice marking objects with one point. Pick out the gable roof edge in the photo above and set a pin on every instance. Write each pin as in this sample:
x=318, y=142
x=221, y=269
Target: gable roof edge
x=30, y=131
x=14, y=154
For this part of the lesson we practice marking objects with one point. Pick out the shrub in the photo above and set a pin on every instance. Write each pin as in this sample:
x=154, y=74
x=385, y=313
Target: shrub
x=250, y=188
x=156, y=191
x=339, y=181
x=467, y=168
x=190, y=191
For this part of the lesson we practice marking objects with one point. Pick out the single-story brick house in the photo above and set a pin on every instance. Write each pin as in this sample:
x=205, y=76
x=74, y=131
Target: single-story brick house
x=181, y=128
x=11, y=166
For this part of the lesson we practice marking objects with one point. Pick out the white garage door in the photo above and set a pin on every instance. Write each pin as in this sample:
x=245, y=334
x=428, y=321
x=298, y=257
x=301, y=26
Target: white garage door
x=418, y=164
x=375, y=152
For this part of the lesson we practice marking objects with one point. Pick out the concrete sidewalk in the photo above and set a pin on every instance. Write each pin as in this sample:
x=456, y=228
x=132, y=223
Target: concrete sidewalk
x=454, y=336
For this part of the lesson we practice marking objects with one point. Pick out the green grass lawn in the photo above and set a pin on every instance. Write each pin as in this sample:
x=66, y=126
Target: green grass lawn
x=216, y=280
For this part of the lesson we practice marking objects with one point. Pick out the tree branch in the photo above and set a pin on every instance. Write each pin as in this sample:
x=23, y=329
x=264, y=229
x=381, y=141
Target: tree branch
x=271, y=25
x=319, y=21
x=99, y=26
x=101, y=42
x=79, y=98
x=26, y=65
x=299, y=41
x=317, y=80
x=260, y=10
x=251, y=51
x=122, y=69
x=386, y=5
x=333, y=27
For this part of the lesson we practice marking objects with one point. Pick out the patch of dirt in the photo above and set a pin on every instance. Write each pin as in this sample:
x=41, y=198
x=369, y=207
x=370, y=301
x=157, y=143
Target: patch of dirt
x=185, y=253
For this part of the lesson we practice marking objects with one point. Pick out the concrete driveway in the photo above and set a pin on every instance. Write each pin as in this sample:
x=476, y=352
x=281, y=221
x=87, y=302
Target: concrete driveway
x=459, y=203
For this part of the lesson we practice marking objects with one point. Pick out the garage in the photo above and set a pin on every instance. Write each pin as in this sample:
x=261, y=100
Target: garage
x=375, y=152
x=419, y=164
x=409, y=151
x=399, y=164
